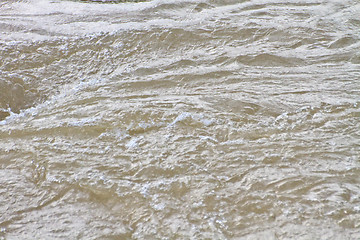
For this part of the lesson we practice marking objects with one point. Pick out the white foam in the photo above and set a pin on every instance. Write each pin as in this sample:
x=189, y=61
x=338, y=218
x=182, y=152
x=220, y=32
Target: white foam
x=134, y=142
x=45, y=19
x=193, y=116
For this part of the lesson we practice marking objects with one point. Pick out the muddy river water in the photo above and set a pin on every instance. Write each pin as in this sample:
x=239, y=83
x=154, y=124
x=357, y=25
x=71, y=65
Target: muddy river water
x=180, y=119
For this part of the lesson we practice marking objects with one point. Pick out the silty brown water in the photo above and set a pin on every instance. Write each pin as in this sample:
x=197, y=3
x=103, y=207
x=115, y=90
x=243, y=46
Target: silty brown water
x=180, y=119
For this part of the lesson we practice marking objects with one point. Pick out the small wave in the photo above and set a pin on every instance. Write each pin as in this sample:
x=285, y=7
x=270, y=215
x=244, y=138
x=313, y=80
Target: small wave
x=269, y=60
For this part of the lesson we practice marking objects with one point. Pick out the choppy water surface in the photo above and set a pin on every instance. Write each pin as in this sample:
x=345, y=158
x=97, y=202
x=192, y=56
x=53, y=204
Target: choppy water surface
x=180, y=119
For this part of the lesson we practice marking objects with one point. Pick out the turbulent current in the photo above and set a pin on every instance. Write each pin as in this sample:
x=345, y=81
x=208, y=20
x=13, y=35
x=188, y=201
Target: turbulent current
x=180, y=119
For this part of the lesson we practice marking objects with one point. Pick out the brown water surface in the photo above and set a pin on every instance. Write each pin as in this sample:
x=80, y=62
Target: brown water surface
x=180, y=119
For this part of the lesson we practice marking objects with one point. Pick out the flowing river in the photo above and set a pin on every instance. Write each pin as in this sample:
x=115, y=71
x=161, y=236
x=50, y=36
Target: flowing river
x=180, y=119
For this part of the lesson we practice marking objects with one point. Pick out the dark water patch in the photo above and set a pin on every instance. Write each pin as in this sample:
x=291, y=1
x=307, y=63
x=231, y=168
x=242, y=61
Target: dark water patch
x=343, y=42
x=269, y=60
x=4, y=114
x=15, y=95
x=202, y=6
